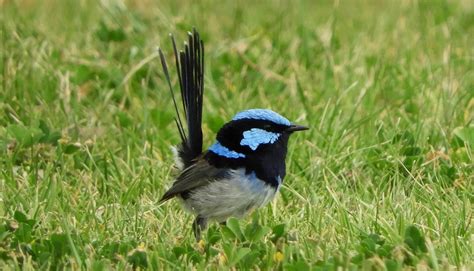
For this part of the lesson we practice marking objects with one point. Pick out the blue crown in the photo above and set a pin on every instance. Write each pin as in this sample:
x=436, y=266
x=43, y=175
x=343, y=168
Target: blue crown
x=262, y=114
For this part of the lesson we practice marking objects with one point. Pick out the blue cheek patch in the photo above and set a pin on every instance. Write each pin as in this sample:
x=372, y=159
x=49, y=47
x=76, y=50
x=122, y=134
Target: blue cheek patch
x=254, y=137
x=220, y=150
x=262, y=114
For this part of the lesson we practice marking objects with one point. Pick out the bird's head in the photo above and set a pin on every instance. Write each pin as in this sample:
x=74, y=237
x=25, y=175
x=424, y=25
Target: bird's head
x=254, y=132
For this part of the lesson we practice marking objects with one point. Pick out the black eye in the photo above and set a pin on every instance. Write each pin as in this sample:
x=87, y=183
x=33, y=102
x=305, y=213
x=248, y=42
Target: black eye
x=267, y=127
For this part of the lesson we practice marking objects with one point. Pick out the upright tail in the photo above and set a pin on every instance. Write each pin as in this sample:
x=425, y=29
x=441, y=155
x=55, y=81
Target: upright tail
x=190, y=67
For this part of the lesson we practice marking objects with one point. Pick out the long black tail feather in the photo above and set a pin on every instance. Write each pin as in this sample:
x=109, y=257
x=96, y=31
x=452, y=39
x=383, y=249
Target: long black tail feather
x=190, y=67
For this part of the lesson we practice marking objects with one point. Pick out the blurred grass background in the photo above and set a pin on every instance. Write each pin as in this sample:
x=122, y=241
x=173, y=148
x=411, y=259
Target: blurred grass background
x=383, y=180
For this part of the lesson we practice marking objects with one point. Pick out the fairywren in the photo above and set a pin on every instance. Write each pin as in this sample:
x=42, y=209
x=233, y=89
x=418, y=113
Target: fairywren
x=243, y=169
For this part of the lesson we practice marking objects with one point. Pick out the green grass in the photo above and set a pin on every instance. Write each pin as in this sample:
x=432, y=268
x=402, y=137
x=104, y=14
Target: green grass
x=383, y=180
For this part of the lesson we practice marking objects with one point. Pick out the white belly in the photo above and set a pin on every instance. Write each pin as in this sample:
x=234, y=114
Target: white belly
x=235, y=196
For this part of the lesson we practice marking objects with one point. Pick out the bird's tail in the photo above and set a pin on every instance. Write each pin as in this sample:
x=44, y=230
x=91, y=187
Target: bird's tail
x=190, y=67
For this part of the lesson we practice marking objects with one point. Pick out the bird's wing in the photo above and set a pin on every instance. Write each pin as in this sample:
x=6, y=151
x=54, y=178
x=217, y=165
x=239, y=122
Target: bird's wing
x=199, y=174
x=190, y=66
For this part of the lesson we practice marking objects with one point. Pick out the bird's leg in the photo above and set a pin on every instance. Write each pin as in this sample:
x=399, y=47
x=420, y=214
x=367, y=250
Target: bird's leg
x=200, y=224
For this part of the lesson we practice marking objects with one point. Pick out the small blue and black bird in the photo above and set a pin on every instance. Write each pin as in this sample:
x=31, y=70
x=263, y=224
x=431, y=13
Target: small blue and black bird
x=243, y=169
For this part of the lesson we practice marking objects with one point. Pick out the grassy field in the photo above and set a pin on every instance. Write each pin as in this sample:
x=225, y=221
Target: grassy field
x=382, y=181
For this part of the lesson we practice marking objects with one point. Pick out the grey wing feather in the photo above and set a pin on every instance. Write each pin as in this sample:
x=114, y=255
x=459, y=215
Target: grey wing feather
x=196, y=175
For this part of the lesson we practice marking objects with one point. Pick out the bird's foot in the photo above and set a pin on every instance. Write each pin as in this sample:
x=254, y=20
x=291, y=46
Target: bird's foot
x=200, y=224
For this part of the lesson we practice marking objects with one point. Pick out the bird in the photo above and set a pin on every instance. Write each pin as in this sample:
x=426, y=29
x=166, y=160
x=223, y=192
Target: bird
x=243, y=169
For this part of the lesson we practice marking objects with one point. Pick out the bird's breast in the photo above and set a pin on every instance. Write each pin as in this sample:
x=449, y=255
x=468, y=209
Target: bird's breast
x=234, y=196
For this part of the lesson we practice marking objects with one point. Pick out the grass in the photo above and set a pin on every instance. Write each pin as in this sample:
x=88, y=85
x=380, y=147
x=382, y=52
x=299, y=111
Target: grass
x=383, y=180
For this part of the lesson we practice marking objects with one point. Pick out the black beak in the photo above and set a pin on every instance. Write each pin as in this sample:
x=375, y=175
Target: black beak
x=295, y=127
